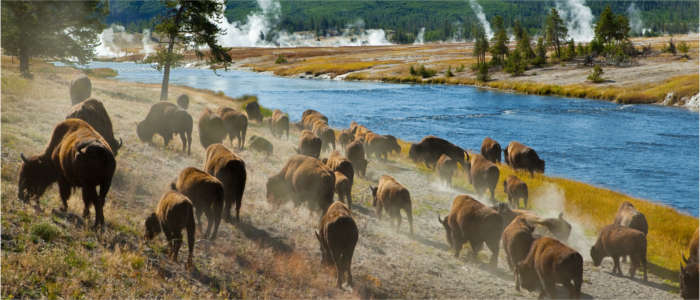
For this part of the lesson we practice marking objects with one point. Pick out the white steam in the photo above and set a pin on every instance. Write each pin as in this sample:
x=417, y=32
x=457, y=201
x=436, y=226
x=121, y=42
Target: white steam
x=147, y=44
x=116, y=42
x=635, y=18
x=482, y=18
x=578, y=18
x=107, y=46
x=420, y=38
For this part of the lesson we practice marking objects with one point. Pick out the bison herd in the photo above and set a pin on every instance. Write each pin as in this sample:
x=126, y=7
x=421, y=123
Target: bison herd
x=82, y=150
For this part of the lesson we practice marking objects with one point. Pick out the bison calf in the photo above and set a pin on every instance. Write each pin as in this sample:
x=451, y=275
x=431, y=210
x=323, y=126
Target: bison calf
x=206, y=193
x=516, y=189
x=229, y=168
x=337, y=236
x=173, y=214
x=471, y=221
x=616, y=241
x=547, y=263
x=392, y=197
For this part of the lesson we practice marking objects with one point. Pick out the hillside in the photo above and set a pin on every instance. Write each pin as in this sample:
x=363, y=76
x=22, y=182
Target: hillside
x=272, y=253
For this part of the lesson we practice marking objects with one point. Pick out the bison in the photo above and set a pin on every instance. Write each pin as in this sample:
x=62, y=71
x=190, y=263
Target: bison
x=688, y=276
x=517, y=238
x=165, y=119
x=471, y=221
x=343, y=188
x=326, y=133
x=309, y=144
x=519, y=156
x=304, y=179
x=253, y=111
x=628, y=216
x=211, y=128
x=491, y=150
x=516, y=189
x=547, y=263
x=337, y=236
x=183, y=101
x=355, y=152
x=235, y=124
x=173, y=214
x=94, y=113
x=279, y=124
x=429, y=149
x=345, y=137
x=260, y=144
x=392, y=197
x=616, y=241
x=483, y=175
x=229, y=168
x=445, y=167
x=380, y=145
x=80, y=89
x=559, y=227
x=694, y=246
x=76, y=156
x=206, y=193
x=310, y=116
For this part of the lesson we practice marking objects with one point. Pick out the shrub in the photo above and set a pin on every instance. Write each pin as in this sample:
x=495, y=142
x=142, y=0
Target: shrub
x=670, y=48
x=483, y=73
x=683, y=47
x=45, y=231
x=460, y=68
x=448, y=73
x=515, y=65
x=281, y=59
x=596, y=75
x=422, y=71
x=412, y=71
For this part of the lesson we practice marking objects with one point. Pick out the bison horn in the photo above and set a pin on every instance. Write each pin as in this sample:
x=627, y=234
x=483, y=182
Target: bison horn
x=685, y=259
x=21, y=155
x=120, y=142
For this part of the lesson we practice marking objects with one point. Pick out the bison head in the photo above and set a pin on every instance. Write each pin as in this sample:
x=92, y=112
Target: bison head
x=448, y=230
x=413, y=152
x=325, y=256
x=152, y=226
x=144, y=132
x=374, y=189
x=539, y=166
x=394, y=146
x=597, y=255
x=689, y=279
x=526, y=276
x=35, y=175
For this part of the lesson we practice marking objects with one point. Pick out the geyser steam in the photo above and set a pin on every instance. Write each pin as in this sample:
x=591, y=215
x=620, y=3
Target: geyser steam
x=578, y=18
x=482, y=18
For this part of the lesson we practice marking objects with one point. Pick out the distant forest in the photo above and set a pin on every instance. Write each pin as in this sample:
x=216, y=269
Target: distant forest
x=442, y=20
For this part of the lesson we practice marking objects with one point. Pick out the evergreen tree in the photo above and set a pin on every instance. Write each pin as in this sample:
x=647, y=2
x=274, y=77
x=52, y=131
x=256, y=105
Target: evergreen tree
x=611, y=29
x=523, y=42
x=555, y=31
x=515, y=64
x=58, y=30
x=540, y=52
x=481, y=45
x=190, y=24
x=571, y=50
x=499, y=48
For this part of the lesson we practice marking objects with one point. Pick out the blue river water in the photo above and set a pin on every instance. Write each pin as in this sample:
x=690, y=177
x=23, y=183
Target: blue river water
x=642, y=150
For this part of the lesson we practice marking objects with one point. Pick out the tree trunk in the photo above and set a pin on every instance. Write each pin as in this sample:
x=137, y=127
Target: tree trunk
x=166, y=72
x=24, y=61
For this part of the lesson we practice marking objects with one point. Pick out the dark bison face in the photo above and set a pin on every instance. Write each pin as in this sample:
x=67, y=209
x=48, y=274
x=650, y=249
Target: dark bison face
x=144, y=132
x=413, y=152
x=527, y=277
x=539, y=166
x=448, y=230
x=325, y=256
x=276, y=189
x=374, y=189
x=393, y=144
x=689, y=281
x=35, y=175
x=596, y=255
x=152, y=227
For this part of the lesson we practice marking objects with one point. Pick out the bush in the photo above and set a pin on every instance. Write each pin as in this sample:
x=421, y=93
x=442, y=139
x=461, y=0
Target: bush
x=671, y=48
x=281, y=59
x=460, y=68
x=448, y=73
x=422, y=71
x=596, y=75
x=515, y=65
x=45, y=231
x=683, y=47
x=483, y=73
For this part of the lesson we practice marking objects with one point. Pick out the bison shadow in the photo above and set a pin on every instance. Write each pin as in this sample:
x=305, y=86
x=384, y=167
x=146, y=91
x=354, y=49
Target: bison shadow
x=264, y=238
x=662, y=272
x=429, y=243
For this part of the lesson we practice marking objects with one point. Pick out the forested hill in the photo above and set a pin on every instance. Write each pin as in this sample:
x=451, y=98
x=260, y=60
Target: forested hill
x=443, y=20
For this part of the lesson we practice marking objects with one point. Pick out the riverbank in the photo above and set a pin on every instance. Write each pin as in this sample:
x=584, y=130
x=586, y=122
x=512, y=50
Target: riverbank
x=270, y=254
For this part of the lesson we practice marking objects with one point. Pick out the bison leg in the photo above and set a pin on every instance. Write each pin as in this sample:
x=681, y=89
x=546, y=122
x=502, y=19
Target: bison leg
x=348, y=197
x=190, y=239
x=183, y=138
x=476, y=247
x=616, y=266
x=216, y=218
x=177, y=243
x=189, y=142
x=409, y=216
x=494, y=247
x=199, y=219
x=89, y=196
x=64, y=190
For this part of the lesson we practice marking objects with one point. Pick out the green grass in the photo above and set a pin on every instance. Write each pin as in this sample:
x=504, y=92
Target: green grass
x=46, y=232
x=101, y=72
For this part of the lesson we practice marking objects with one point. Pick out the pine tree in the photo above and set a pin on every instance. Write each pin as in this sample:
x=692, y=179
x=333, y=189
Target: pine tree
x=523, y=44
x=555, y=31
x=541, y=53
x=481, y=45
x=499, y=49
x=59, y=30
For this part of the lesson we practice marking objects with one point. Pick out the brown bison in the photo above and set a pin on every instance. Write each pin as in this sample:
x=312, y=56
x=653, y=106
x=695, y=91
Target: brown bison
x=381, y=145
x=229, y=168
x=491, y=150
x=253, y=111
x=509, y=214
x=337, y=236
x=326, y=133
x=343, y=188
x=345, y=137
x=173, y=214
x=309, y=117
x=338, y=163
x=304, y=179
x=483, y=175
x=689, y=274
x=211, y=128
x=617, y=241
x=516, y=189
x=260, y=144
x=94, y=113
x=76, y=157
x=165, y=119
x=517, y=238
x=206, y=193
x=547, y=263
x=628, y=216
x=470, y=221
x=694, y=246
x=80, y=89
x=429, y=149
x=355, y=152
x=445, y=167
x=392, y=197
x=519, y=156
x=183, y=101
x=279, y=123
x=359, y=131
x=309, y=144
x=235, y=124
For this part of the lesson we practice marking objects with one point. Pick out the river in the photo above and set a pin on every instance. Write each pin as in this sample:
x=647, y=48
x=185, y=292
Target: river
x=645, y=151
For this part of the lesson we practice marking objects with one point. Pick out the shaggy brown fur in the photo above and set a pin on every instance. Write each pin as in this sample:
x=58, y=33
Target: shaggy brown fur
x=392, y=197
x=337, y=162
x=229, y=168
x=304, y=179
x=517, y=239
x=235, y=124
x=516, y=189
x=483, y=175
x=206, y=193
x=616, y=241
x=491, y=150
x=547, y=263
x=76, y=156
x=519, y=156
x=309, y=144
x=343, y=188
x=173, y=214
x=80, y=89
x=694, y=247
x=260, y=144
x=309, y=117
x=211, y=128
x=279, y=123
x=429, y=149
x=326, y=133
x=337, y=236
x=183, y=101
x=381, y=145
x=253, y=111
x=345, y=137
x=628, y=216
x=94, y=113
x=165, y=119
x=446, y=167
x=355, y=152
x=688, y=276
x=470, y=221
x=359, y=131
